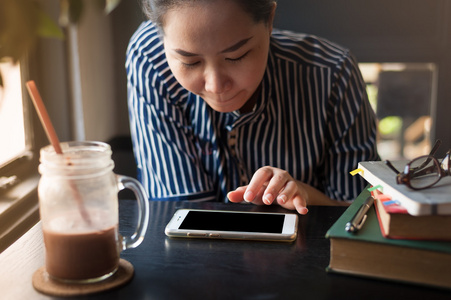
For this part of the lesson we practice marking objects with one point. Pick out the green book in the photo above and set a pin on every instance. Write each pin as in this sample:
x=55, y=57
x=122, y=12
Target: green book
x=368, y=253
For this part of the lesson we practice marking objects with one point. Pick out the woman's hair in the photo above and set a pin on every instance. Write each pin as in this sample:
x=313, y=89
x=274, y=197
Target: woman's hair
x=155, y=10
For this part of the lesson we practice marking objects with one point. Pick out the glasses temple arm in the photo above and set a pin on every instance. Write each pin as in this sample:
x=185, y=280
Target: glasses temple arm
x=389, y=164
x=435, y=148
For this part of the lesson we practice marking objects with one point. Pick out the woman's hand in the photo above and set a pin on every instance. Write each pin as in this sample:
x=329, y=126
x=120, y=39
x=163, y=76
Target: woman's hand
x=272, y=184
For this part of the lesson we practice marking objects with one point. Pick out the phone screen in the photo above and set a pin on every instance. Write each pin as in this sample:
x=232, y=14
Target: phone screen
x=222, y=221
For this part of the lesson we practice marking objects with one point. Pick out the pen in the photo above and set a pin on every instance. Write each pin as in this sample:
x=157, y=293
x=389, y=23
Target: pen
x=359, y=218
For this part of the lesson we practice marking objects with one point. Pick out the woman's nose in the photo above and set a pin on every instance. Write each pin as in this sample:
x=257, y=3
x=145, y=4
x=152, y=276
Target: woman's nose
x=216, y=82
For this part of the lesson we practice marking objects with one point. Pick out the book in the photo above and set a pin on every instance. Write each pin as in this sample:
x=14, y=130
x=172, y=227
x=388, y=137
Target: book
x=435, y=200
x=396, y=223
x=367, y=253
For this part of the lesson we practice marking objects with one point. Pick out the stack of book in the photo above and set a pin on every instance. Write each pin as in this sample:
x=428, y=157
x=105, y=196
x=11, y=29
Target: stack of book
x=404, y=238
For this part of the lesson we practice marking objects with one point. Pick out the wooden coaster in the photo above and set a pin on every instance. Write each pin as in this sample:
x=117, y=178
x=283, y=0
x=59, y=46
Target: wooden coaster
x=46, y=285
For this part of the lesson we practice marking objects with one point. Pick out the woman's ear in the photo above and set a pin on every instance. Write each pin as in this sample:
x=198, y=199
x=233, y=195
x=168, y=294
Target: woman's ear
x=271, y=16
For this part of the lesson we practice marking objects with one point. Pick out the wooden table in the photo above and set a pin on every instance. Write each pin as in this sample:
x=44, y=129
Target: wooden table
x=168, y=268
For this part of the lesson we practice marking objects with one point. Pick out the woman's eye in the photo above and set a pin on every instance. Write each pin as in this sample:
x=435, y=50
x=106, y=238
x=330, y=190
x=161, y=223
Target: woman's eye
x=238, y=58
x=190, y=65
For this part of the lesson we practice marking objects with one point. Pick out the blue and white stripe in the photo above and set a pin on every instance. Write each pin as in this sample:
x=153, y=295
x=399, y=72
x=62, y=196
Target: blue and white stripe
x=312, y=119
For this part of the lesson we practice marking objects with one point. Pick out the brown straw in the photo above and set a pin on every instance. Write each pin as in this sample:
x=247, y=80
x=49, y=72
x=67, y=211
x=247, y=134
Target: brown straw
x=53, y=138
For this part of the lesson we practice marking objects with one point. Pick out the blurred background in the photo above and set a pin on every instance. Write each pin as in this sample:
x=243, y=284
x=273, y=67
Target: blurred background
x=403, y=48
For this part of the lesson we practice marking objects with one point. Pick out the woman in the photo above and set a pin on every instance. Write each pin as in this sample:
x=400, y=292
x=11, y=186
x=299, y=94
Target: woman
x=223, y=107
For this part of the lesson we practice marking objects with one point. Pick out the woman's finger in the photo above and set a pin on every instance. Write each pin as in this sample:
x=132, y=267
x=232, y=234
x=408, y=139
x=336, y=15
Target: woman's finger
x=276, y=184
x=259, y=179
x=237, y=195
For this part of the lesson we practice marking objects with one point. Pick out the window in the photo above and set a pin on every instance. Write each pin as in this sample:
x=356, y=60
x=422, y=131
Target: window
x=18, y=162
x=402, y=95
x=384, y=31
x=11, y=113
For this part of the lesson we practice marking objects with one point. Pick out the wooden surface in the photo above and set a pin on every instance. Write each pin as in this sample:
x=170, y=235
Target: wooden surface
x=168, y=268
x=17, y=264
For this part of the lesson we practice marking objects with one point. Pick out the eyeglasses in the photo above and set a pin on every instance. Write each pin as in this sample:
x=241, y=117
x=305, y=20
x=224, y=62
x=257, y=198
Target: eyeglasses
x=424, y=171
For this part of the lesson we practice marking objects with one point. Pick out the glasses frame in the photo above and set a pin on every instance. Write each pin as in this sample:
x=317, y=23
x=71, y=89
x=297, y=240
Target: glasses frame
x=406, y=176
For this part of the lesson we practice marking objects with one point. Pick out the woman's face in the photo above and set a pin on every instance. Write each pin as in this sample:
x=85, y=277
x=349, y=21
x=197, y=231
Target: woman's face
x=217, y=51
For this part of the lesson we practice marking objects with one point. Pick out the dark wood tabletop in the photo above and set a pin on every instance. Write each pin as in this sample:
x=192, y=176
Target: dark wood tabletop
x=181, y=268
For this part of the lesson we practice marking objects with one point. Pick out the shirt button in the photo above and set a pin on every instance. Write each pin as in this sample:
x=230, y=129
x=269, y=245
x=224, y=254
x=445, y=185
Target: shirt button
x=232, y=142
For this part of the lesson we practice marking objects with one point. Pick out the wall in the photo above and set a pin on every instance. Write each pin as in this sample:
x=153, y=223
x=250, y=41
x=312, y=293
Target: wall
x=95, y=42
x=103, y=42
x=125, y=20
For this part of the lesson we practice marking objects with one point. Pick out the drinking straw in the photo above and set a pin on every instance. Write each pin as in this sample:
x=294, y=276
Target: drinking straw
x=53, y=138
x=43, y=116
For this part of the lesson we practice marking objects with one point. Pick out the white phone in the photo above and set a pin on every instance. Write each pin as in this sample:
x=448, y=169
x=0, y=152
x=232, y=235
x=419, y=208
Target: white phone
x=241, y=225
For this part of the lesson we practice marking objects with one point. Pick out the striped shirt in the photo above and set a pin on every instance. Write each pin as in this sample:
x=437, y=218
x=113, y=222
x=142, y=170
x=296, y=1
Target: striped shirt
x=312, y=119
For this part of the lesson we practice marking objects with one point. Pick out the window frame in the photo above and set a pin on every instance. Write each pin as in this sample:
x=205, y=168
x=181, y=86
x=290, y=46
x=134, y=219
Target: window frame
x=19, y=202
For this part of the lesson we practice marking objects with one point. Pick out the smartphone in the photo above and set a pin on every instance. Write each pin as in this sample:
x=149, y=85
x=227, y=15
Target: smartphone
x=238, y=225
